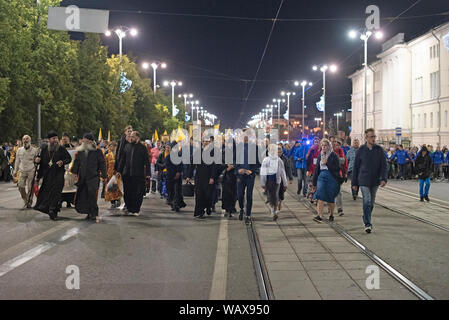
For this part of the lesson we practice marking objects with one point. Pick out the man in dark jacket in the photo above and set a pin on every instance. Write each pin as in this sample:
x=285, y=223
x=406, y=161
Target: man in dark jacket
x=52, y=159
x=174, y=180
x=369, y=171
x=424, y=169
x=134, y=167
x=124, y=140
x=89, y=163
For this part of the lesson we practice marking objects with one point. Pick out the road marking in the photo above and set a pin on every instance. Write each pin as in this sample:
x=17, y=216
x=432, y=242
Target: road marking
x=218, y=289
x=70, y=233
x=25, y=257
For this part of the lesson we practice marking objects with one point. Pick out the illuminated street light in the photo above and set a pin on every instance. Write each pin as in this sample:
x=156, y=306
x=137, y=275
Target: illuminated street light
x=121, y=32
x=173, y=84
x=323, y=69
x=155, y=66
x=303, y=85
x=364, y=37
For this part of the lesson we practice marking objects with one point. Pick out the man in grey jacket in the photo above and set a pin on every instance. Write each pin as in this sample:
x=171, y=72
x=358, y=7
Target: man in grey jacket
x=350, y=155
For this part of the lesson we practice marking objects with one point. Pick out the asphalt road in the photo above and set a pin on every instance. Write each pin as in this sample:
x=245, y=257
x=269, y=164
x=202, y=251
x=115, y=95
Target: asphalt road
x=158, y=255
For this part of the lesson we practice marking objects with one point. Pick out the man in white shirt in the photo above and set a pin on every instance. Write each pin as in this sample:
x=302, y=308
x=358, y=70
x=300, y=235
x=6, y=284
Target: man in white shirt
x=25, y=165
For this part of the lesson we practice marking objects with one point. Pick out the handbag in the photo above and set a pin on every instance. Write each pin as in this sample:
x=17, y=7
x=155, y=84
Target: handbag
x=112, y=184
x=188, y=190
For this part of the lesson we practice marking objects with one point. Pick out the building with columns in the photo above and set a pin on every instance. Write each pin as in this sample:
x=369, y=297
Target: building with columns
x=407, y=88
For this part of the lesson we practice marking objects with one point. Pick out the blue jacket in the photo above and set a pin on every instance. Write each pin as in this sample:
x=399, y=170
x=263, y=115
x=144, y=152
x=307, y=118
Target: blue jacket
x=446, y=158
x=243, y=162
x=438, y=157
x=401, y=155
x=300, y=157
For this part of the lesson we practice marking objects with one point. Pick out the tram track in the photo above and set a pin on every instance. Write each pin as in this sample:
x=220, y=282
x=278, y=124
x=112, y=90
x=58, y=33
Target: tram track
x=410, y=285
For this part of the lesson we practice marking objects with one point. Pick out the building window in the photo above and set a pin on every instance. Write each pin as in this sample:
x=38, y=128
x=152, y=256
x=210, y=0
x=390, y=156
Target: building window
x=445, y=118
x=431, y=120
x=434, y=51
x=434, y=84
x=425, y=120
x=419, y=120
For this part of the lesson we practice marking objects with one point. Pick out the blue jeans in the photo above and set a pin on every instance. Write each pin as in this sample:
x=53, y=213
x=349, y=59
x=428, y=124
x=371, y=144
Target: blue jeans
x=245, y=181
x=302, y=178
x=369, y=196
x=425, y=192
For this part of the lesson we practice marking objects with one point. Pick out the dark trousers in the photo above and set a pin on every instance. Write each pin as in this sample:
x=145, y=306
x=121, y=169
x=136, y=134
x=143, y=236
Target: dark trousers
x=401, y=170
x=174, y=190
x=159, y=183
x=134, y=190
x=229, y=197
x=355, y=193
x=245, y=182
x=203, y=196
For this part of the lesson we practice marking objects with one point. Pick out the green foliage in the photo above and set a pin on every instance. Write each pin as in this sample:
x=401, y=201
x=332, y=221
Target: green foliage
x=75, y=81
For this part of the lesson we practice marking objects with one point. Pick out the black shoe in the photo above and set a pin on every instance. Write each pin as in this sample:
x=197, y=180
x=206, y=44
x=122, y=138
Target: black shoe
x=241, y=215
x=427, y=198
x=354, y=197
x=318, y=219
x=298, y=192
x=421, y=199
x=68, y=205
x=230, y=215
x=176, y=209
x=340, y=212
x=213, y=209
x=53, y=215
x=331, y=218
x=368, y=229
x=200, y=217
x=183, y=205
x=247, y=220
x=208, y=211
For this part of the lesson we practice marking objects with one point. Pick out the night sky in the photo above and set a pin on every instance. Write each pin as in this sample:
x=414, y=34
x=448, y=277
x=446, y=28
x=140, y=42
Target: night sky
x=217, y=58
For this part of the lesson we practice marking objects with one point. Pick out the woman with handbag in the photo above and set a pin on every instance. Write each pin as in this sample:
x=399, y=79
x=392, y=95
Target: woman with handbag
x=326, y=180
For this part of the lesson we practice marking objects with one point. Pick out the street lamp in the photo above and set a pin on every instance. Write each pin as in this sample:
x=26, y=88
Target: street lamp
x=323, y=69
x=338, y=115
x=364, y=37
x=279, y=110
x=121, y=32
x=288, y=94
x=303, y=85
x=193, y=107
x=154, y=65
x=185, y=96
x=173, y=84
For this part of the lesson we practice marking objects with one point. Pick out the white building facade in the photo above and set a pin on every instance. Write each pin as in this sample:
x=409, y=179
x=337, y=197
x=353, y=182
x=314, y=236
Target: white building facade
x=407, y=88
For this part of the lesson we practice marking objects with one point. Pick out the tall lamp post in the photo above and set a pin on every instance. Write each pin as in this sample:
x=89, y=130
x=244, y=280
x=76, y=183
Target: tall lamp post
x=279, y=111
x=323, y=69
x=364, y=37
x=338, y=115
x=288, y=94
x=193, y=107
x=173, y=84
x=303, y=85
x=121, y=32
x=154, y=66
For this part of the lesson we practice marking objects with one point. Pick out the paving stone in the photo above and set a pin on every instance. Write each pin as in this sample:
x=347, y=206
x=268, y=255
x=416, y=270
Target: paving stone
x=295, y=290
x=391, y=295
x=356, y=264
x=321, y=265
x=351, y=256
x=309, y=249
x=384, y=284
x=284, y=266
x=336, y=284
x=280, y=257
x=286, y=250
x=292, y=275
x=360, y=274
x=277, y=244
x=343, y=249
x=315, y=257
x=328, y=275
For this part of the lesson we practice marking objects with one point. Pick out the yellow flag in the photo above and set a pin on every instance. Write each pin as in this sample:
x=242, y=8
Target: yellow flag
x=109, y=135
x=100, y=136
x=156, y=138
x=217, y=126
x=165, y=133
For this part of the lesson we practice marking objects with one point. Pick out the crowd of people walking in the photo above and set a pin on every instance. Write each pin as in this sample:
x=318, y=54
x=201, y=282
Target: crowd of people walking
x=132, y=169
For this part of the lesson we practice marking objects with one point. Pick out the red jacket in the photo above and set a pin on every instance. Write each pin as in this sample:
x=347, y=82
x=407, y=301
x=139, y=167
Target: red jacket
x=312, y=158
x=341, y=154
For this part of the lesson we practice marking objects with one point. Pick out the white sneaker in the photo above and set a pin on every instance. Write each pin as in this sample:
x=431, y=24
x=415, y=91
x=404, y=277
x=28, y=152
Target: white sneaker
x=136, y=214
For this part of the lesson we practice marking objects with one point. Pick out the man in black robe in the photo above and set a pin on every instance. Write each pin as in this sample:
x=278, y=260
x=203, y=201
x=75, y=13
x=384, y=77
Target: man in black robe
x=89, y=163
x=204, y=184
x=52, y=159
x=174, y=181
x=134, y=167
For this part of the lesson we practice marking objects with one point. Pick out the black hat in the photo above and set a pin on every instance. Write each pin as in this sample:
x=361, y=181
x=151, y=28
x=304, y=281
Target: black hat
x=51, y=134
x=89, y=136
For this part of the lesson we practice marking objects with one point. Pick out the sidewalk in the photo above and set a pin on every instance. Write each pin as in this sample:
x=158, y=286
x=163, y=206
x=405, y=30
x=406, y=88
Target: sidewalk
x=308, y=260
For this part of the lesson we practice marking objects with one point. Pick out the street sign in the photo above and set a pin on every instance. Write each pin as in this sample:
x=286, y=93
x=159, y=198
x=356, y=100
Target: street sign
x=398, y=132
x=76, y=19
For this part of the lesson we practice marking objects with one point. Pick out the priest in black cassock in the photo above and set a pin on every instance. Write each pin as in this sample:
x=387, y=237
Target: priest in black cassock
x=89, y=163
x=205, y=175
x=51, y=159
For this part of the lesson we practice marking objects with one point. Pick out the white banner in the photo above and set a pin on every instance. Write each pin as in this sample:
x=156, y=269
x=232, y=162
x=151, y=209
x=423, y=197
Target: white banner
x=75, y=19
